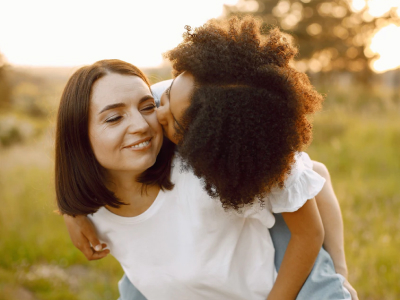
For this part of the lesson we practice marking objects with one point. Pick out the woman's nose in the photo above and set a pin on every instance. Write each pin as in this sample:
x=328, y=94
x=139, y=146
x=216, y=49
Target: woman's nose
x=138, y=124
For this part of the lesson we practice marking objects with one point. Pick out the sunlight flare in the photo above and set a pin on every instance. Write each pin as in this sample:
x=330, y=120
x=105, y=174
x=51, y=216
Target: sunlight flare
x=384, y=44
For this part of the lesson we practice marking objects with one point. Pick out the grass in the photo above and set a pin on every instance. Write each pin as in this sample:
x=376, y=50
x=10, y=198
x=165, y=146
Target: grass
x=358, y=140
x=361, y=150
x=38, y=261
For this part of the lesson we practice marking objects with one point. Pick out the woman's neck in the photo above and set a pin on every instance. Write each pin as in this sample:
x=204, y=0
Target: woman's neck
x=137, y=197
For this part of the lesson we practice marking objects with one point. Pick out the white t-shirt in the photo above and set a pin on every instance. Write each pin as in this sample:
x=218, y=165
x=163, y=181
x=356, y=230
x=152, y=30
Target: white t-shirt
x=185, y=246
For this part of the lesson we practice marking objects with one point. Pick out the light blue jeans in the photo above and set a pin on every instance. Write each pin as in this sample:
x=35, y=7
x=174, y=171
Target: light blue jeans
x=323, y=283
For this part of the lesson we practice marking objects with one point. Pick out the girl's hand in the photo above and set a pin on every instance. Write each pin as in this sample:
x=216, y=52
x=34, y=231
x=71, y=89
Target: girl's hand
x=84, y=237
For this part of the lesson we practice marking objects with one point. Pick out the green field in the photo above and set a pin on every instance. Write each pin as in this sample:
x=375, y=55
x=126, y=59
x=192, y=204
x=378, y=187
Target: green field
x=357, y=137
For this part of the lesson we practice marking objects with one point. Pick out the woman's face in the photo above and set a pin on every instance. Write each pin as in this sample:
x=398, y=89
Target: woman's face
x=123, y=128
x=173, y=103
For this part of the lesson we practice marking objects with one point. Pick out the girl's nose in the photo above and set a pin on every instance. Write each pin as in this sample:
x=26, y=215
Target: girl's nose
x=160, y=111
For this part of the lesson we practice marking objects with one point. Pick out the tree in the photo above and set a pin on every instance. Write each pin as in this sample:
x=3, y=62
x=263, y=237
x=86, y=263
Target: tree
x=5, y=89
x=330, y=35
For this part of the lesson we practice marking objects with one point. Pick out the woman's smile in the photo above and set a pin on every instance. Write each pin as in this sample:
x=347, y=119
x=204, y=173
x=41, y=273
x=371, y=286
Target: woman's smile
x=140, y=145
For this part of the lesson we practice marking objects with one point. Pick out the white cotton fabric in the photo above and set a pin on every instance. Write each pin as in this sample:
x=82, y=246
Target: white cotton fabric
x=159, y=88
x=302, y=184
x=185, y=246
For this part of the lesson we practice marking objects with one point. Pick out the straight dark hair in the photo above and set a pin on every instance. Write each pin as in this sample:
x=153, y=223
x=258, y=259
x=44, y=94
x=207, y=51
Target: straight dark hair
x=79, y=178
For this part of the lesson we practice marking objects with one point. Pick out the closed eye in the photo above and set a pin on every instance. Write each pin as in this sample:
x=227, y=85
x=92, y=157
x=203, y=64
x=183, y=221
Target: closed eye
x=149, y=108
x=113, y=119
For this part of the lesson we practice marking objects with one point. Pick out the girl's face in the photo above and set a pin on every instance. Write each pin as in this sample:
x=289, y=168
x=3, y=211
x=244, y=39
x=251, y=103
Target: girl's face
x=123, y=129
x=173, y=103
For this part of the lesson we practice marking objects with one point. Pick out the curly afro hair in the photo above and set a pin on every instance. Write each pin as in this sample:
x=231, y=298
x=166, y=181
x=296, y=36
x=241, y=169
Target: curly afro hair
x=248, y=111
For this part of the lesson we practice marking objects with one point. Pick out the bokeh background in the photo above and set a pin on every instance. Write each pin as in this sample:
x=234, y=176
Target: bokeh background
x=349, y=48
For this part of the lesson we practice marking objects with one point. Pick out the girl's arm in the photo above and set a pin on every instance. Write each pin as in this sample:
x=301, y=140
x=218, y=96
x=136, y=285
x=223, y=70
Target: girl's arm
x=307, y=235
x=331, y=216
x=84, y=237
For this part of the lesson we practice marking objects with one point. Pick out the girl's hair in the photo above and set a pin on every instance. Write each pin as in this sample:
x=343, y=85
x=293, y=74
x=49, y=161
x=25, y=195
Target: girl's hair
x=248, y=112
x=79, y=178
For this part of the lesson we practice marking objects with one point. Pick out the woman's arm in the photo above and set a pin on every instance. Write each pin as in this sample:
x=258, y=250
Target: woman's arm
x=307, y=235
x=83, y=235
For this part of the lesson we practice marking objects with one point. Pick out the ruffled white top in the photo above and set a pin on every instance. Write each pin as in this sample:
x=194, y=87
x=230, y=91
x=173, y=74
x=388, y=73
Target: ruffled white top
x=302, y=184
x=185, y=246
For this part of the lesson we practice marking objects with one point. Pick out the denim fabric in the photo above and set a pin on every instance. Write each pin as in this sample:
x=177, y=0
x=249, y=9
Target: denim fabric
x=128, y=291
x=322, y=284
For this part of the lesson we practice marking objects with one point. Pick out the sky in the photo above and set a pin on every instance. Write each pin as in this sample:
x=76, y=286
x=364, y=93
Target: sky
x=80, y=32
x=76, y=32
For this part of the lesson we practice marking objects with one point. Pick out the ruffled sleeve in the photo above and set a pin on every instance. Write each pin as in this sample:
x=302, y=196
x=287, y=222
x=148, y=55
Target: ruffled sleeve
x=302, y=184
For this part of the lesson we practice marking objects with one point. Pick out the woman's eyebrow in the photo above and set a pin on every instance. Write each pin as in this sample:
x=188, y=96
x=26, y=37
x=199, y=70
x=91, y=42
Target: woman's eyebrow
x=112, y=106
x=118, y=105
x=145, y=98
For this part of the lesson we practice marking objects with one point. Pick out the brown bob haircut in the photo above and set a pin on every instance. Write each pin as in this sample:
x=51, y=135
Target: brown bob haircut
x=79, y=178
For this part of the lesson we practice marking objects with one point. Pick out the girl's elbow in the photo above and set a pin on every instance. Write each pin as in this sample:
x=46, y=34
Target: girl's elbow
x=311, y=237
x=318, y=236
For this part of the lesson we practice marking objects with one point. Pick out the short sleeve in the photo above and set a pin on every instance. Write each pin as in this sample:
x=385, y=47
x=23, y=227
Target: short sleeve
x=302, y=184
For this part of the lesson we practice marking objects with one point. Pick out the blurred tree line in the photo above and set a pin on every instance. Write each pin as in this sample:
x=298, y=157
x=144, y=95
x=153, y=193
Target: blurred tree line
x=5, y=88
x=27, y=99
x=331, y=36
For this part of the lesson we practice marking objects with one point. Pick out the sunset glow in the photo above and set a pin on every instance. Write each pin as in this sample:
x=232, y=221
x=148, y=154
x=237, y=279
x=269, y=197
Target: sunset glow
x=384, y=43
x=378, y=8
x=74, y=32
x=61, y=33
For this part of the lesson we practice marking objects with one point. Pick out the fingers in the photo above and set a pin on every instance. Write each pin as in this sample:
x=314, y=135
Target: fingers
x=93, y=249
x=353, y=294
x=94, y=241
x=90, y=234
x=99, y=255
x=91, y=254
x=352, y=291
x=84, y=237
